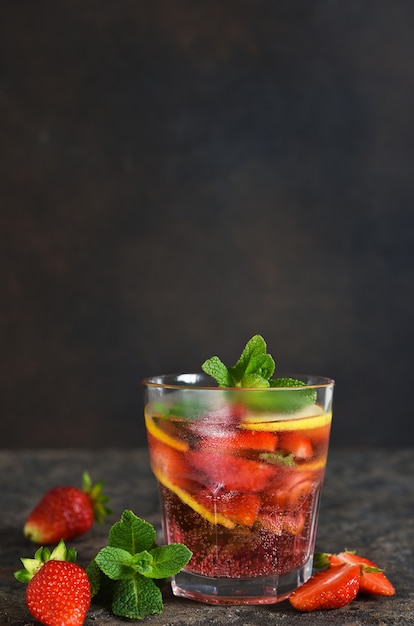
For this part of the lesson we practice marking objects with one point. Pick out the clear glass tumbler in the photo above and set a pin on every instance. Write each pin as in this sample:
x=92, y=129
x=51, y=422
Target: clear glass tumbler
x=240, y=473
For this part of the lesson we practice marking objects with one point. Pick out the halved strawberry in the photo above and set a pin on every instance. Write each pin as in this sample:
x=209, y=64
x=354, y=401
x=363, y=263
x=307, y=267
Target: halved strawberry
x=241, y=508
x=328, y=589
x=230, y=472
x=373, y=580
x=297, y=444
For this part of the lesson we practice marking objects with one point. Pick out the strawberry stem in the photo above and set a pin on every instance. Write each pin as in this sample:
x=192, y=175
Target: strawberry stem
x=97, y=498
x=42, y=556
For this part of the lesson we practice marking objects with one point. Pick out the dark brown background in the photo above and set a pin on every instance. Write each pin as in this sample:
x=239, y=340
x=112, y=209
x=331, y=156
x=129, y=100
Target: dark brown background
x=179, y=175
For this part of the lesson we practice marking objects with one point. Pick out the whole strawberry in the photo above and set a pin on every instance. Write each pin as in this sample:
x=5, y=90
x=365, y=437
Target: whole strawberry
x=58, y=591
x=65, y=512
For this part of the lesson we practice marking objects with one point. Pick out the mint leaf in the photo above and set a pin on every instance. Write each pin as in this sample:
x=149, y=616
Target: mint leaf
x=143, y=563
x=287, y=382
x=132, y=534
x=253, y=369
x=181, y=408
x=94, y=573
x=137, y=597
x=296, y=399
x=277, y=458
x=254, y=364
x=253, y=380
x=123, y=570
x=215, y=368
x=115, y=562
x=101, y=585
x=168, y=560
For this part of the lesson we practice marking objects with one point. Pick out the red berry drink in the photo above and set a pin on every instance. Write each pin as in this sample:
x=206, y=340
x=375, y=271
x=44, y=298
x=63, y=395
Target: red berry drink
x=240, y=473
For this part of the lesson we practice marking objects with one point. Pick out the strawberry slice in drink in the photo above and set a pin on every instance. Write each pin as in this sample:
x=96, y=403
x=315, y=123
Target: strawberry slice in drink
x=241, y=508
x=240, y=442
x=297, y=444
x=290, y=489
x=168, y=461
x=230, y=472
x=287, y=502
x=221, y=459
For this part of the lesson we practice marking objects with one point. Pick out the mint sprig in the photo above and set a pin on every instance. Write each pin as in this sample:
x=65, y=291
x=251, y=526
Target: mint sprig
x=255, y=369
x=131, y=569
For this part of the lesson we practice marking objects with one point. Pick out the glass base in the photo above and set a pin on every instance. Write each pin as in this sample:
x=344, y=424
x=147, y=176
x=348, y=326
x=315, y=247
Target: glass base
x=266, y=590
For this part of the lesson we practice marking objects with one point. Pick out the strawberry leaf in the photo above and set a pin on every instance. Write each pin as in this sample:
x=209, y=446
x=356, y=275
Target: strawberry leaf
x=42, y=556
x=97, y=498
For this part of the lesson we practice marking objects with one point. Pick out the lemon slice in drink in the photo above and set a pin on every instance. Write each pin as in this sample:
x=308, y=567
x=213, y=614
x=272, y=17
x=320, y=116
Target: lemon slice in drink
x=163, y=436
x=298, y=421
x=210, y=516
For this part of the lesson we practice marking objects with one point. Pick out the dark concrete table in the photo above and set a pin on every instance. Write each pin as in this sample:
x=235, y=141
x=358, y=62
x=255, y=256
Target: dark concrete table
x=368, y=504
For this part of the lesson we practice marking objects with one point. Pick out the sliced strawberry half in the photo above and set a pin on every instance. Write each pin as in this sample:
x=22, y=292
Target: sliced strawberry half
x=329, y=589
x=232, y=473
x=373, y=580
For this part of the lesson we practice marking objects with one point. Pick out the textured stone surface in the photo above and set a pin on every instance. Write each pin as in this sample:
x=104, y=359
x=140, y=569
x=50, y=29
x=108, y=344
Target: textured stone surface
x=368, y=504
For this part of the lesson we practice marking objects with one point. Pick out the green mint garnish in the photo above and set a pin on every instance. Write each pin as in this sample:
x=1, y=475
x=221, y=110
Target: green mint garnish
x=278, y=458
x=132, y=567
x=255, y=369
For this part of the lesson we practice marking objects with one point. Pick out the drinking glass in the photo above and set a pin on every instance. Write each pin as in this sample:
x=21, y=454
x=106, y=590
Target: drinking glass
x=240, y=473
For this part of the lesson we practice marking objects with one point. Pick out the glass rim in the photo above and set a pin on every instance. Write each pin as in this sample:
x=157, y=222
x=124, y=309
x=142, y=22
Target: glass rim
x=193, y=380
